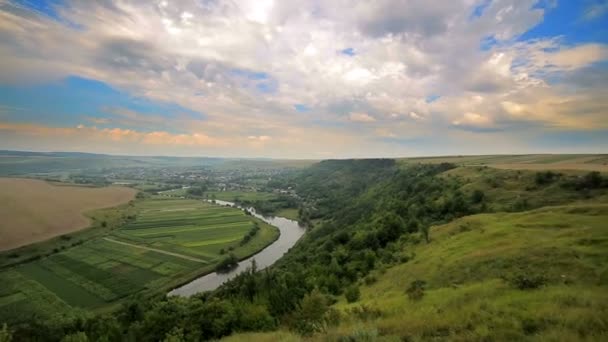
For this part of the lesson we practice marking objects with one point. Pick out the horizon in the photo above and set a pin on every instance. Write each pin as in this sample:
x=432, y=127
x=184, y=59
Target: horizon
x=304, y=81
x=302, y=159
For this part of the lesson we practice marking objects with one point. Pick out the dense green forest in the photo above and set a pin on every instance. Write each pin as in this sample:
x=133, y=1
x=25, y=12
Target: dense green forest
x=369, y=216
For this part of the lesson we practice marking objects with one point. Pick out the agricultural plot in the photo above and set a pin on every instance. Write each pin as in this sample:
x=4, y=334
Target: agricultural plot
x=170, y=239
x=193, y=228
x=42, y=210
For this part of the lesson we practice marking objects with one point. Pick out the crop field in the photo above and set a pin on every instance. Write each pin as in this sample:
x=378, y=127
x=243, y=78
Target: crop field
x=581, y=162
x=42, y=210
x=242, y=195
x=194, y=228
x=171, y=239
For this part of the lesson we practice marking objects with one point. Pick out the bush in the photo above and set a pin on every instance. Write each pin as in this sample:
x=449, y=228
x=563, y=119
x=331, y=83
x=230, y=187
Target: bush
x=544, y=178
x=227, y=264
x=477, y=196
x=352, y=294
x=416, y=290
x=365, y=313
x=528, y=281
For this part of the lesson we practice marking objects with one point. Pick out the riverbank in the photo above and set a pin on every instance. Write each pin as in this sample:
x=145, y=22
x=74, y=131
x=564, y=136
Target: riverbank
x=290, y=233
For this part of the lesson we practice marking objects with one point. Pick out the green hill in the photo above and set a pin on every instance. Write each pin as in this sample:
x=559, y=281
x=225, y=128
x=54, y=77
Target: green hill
x=538, y=275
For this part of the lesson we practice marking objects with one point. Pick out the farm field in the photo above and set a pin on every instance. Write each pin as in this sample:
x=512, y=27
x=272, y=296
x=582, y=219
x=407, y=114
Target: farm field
x=170, y=242
x=42, y=210
x=581, y=162
x=190, y=227
x=241, y=195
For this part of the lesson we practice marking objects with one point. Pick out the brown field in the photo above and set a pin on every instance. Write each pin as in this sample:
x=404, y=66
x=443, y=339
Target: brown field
x=33, y=210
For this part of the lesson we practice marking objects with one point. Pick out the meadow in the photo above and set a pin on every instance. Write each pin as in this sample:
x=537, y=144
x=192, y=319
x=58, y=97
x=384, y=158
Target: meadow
x=581, y=162
x=170, y=241
x=43, y=210
x=243, y=196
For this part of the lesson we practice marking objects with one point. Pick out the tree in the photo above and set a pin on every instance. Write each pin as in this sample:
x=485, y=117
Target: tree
x=477, y=196
x=424, y=229
x=416, y=289
x=309, y=317
x=5, y=334
x=352, y=294
x=75, y=337
x=175, y=335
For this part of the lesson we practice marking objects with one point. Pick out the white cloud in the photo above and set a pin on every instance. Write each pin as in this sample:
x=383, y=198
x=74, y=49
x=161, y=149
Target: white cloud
x=360, y=117
x=216, y=57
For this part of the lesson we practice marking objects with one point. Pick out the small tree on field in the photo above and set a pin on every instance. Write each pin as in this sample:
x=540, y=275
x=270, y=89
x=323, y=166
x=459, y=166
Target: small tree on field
x=424, y=229
x=352, y=294
x=5, y=334
x=416, y=290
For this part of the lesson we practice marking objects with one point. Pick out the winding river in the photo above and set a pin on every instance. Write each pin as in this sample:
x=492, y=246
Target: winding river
x=290, y=234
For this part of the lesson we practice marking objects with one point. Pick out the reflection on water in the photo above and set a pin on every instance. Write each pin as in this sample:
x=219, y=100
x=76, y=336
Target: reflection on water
x=290, y=233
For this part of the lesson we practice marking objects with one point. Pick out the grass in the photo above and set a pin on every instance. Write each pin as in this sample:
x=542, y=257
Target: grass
x=290, y=213
x=583, y=162
x=170, y=242
x=469, y=268
x=241, y=195
x=505, y=188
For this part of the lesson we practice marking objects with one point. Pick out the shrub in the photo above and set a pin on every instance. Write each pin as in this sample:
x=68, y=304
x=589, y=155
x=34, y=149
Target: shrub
x=370, y=279
x=5, y=334
x=528, y=281
x=227, y=264
x=477, y=196
x=543, y=178
x=352, y=294
x=365, y=312
x=416, y=290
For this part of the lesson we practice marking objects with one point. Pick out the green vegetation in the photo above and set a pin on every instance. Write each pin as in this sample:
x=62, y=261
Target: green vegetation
x=164, y=243
x=398, y=251
x=537, y=274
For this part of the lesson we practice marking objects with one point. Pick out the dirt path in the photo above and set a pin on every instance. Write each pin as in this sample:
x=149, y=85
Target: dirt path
x=156, y=250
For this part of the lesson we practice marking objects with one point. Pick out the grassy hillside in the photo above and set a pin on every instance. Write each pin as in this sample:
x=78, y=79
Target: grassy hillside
x=583, y=162
x=537, y=275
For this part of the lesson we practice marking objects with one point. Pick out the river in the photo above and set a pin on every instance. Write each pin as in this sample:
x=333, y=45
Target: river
x=291, y=232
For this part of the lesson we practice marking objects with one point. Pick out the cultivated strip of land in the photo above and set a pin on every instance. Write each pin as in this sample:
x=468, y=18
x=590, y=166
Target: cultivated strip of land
x=155, y=250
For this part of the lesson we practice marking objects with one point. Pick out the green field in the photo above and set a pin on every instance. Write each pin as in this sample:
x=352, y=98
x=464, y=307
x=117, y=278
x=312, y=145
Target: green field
x=241, y=196
x=170, y=242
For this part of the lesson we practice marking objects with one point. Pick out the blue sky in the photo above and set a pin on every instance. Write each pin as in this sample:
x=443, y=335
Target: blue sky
x=251, y=78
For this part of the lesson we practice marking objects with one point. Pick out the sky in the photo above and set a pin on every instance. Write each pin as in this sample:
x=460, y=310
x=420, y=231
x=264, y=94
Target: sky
x=304, y=79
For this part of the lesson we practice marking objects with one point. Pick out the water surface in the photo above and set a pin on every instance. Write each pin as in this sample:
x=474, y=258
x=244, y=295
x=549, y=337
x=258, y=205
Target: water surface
x=290, y=234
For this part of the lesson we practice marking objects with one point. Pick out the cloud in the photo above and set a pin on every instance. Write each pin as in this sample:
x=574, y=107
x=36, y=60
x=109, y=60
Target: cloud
x=259, y=138
x=595, y=10
x=360, y=117
x=245, y=64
